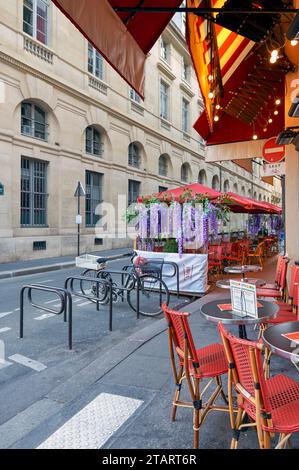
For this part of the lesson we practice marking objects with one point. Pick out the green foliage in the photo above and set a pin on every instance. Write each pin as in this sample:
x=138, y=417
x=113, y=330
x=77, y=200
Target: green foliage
x=171, y=246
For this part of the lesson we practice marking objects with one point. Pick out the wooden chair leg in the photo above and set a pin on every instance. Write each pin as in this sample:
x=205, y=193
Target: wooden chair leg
x=238, y=422
x=177, y=393
x=196, y=413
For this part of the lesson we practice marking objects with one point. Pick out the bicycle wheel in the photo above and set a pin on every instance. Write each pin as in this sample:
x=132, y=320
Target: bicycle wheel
x=152, y=294
x=90, y=289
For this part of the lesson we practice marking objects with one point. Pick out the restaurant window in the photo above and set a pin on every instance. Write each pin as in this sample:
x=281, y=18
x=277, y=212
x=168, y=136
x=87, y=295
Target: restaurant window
x=94, y=192
x=134, y=96
x=133, y=191
x=36, y=19
x=215, y=183
x=202, y=177
x=185, y=173
x=163, y=165
x=185, y=115
x=93, y=141
x=95, y=62
x=33, y=193
x=134, y=155
x=33, y=121
x=164, y=100
x=226, y=186
x=164, y=50
x=185, y=71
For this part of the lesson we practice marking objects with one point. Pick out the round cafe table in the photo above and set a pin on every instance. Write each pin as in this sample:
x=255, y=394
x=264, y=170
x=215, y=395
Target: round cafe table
x=212, y=312
x=243, y=269
x=225, y=283
x=280, y=345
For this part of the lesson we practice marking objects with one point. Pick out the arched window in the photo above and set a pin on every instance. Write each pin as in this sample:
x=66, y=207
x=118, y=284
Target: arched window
x=185, y=173
x=134, y=158
x=93, y=141
x=226, y=186
x=215, y=183
x=236, y=188
x=163, y=165
x=33, y=121
x=243, y=192
x=260, y=197
x=202, y=177
x=255, y=195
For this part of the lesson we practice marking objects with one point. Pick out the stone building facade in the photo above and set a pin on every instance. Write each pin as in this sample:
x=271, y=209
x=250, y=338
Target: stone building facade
x=66, y=116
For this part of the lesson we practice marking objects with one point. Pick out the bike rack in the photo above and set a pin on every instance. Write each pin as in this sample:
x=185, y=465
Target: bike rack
x=66, y=306
x=122, y=288
x=69, y=287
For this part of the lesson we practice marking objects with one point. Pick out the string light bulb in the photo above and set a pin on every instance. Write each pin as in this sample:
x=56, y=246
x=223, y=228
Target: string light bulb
x=275, y=112
x=270, y=121
x=210, y=78
x=216, y=118
x=274, y=56
x=211, y=95
x=277, y=102
x=254, y=137
x=294, y=42
x=217, y=106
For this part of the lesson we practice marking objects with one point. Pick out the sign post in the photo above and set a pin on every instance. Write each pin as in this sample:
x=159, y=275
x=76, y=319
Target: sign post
x=80, y=192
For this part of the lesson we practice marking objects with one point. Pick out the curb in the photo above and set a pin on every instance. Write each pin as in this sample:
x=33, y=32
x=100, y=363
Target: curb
x=36, y=269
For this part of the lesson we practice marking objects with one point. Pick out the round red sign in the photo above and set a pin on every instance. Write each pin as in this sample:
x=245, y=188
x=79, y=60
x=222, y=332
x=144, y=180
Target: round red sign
x=273, y=153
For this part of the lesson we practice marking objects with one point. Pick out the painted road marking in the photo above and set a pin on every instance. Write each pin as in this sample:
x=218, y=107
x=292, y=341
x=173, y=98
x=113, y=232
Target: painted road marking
x=51, y=301
x=83, y=303
x=3, y=330
x=45, y=315
x=4, y=314
x=92, y=426
x=26, y=361
x=17, y=309
x=46, y=280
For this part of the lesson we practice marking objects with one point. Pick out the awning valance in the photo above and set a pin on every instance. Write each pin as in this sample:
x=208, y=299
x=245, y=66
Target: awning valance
x=123, y=39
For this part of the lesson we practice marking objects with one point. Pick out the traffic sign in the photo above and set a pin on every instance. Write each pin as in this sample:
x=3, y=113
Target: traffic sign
x=274, y=169
x=273, y=153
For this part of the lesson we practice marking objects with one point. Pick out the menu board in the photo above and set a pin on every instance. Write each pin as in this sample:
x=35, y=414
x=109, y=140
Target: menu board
x=244, y=300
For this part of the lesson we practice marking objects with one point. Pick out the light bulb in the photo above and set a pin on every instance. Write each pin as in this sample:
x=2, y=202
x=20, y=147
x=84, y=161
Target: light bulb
x=277, y=101
x=217, y=106
x=210, y=78
x=270, y=121
x=254, y=137
x=216, y=118
x=274, y=53
x=273, y=59
x=211, y=95
x=265, y=129
x=294, y=42
x=275, y=112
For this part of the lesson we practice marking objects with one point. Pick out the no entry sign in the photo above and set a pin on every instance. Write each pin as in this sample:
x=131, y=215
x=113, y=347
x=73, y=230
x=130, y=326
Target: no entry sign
x=273, y=153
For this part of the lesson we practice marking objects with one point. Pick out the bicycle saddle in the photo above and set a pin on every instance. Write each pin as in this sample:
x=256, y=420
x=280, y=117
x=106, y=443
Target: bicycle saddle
x=102, y=260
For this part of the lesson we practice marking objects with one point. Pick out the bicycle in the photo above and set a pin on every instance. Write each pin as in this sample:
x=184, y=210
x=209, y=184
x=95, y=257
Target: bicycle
x=141, y=285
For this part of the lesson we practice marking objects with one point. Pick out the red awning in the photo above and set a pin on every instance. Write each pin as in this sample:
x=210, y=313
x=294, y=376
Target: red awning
x=195, y=188
x=238, y=84
x=123, y=39
x=242, y=204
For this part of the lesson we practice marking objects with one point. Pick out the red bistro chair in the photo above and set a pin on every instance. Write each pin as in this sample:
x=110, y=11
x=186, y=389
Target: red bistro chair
x=277, y=274
x=279, y=292
x=272, y=404
x=194, y=365
x=216, y=258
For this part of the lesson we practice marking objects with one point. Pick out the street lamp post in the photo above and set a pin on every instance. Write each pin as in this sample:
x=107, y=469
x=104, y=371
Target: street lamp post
x=80, y=192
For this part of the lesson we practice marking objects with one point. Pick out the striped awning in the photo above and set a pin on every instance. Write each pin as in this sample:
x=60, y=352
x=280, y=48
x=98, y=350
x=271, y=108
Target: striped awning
x=216, y=53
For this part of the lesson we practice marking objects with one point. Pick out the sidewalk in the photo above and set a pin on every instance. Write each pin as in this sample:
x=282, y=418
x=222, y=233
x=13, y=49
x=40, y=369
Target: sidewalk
x=122, y=397
x=35, y=266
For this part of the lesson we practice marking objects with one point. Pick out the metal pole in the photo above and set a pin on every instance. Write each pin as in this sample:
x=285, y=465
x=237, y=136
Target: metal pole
x=78, y=241
x=283, y=191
